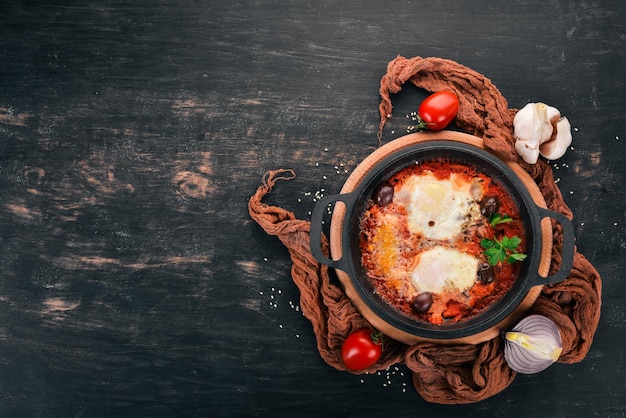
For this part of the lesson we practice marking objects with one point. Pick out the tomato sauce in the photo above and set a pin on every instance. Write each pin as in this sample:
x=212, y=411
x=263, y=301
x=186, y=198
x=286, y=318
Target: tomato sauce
x=389, y=249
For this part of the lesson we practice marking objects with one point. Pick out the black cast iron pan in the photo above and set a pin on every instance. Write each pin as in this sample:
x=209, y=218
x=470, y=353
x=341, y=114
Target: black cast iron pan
x=483, y=161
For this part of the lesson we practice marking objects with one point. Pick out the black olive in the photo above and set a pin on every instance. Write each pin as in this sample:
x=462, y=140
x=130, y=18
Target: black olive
x=486, y=273
x=383, y=195
x=489, y=206
x=422, y=302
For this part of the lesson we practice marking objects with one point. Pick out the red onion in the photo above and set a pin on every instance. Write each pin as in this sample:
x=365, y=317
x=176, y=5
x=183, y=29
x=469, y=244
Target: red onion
x=533, y=344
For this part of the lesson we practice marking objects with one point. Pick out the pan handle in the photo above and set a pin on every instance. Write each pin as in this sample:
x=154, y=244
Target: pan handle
x=317, y=218
x=567, y=251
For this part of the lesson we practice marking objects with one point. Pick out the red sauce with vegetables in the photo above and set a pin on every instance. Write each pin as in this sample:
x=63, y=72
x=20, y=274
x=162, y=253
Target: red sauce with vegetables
x=472, y=234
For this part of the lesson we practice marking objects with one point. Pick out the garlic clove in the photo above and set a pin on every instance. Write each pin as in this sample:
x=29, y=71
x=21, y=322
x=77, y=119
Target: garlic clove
x=531, y=127
x=528, y=151
x=556, y=148
x=532, y=123
x=553, y=114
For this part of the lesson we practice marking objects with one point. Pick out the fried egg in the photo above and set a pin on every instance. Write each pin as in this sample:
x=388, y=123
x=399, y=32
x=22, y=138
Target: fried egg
x=441, y=269
x=439, y=209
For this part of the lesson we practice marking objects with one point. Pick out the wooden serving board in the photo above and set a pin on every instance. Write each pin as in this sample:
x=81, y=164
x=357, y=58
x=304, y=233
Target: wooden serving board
x=356, y=178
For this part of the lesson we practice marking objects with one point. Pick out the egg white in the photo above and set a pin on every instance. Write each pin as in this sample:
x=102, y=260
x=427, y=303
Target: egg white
x=441, y=269
x=439, y=209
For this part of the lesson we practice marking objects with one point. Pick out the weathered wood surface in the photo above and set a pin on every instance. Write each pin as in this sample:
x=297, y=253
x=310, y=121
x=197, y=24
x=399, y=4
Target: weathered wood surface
x=132, y=280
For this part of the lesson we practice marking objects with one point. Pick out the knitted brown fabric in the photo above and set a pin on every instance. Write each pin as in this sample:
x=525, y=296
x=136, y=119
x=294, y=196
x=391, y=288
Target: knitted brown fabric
x=331, y=313
x=483, y=111
x=452, y=374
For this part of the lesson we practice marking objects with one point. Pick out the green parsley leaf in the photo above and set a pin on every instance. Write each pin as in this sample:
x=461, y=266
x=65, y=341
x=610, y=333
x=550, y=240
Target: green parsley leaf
x=511, y=243
x=487, y=243
x=504, y=250
x=499, y=219
x=515, y=257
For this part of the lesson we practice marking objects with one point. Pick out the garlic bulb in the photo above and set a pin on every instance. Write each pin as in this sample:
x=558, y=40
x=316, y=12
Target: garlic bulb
x=531, y=127
x=540, y=129
x=533, y=344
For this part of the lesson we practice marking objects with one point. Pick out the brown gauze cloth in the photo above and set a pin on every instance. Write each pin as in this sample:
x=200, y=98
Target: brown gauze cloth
x=446, y=374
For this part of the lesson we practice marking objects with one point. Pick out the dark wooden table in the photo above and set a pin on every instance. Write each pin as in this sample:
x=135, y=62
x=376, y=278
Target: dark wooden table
x=132, y=134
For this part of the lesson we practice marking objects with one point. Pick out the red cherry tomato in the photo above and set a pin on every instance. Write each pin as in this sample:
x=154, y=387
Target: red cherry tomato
x=438, y=110
x=362, y=349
